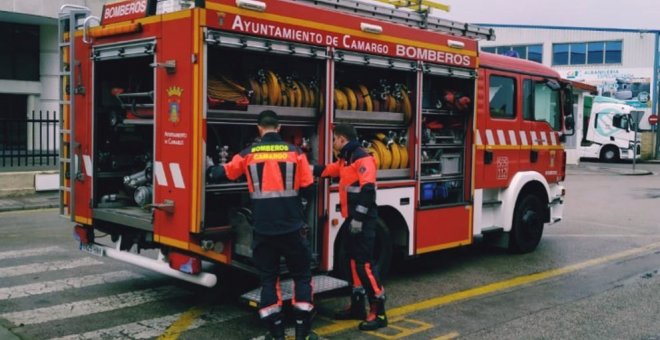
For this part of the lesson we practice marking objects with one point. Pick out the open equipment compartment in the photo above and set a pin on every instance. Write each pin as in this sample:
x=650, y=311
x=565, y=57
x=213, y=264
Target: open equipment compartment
x=123, y=134
x=447, y=102
x=247, y=75
x=376, y=94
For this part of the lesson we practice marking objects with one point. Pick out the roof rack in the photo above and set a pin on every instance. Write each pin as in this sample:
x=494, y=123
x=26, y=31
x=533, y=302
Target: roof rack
x=407, y=17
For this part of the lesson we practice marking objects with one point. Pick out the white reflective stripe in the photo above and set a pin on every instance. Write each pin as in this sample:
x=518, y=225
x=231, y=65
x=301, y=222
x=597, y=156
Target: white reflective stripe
x=512, y=137
x=353, y=189
x=47, y=267
x=161, y=179
x=532, y=135
x=93, y=306
x=479, y=142
x=175, y=169
x=553, y=138
x=256, y=184
x=289, y=176
x=273, y=194
x=88, y=165
x=153, y=328
x=270, y=310
x=362, y=209
x=304, y=306
x=311, y=168
x=544, y=138
x=489, y=137
x=39, y=288
x=501, y=138
x=29, y=252
x=523, y=138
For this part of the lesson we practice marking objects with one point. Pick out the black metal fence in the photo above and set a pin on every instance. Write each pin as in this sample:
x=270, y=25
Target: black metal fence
x=29, y=142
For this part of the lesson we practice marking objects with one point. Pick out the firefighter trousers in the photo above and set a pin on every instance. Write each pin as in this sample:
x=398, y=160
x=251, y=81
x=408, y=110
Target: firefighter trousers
x=360, y=253
x=266, y=252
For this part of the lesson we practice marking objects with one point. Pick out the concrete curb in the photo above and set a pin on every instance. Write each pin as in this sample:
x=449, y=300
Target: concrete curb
x=43, y=200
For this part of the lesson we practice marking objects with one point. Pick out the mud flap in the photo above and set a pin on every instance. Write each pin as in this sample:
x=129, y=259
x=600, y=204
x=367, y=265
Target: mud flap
x=321, y=283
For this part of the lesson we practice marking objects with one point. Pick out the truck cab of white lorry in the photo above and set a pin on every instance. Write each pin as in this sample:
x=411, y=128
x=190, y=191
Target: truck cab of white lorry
x=609, y=131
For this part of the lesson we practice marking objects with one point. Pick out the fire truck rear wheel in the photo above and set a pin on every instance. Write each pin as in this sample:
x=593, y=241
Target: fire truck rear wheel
x=382, y=252
x=527, y=224
x=609, y=154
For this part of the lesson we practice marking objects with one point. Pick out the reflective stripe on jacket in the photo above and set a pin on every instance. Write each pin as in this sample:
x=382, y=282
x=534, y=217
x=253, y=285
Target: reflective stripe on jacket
x=356, y=170
x=275, y=171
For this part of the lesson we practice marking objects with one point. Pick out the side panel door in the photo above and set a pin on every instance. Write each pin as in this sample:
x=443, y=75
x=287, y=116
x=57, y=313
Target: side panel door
x=498, y=125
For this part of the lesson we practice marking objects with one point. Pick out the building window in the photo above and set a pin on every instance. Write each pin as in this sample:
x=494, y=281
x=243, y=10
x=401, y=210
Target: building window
x=502, y=92
x=529, y=52
x=596, y=52
x=19, y=52
x=560, y=54
x=578, y=54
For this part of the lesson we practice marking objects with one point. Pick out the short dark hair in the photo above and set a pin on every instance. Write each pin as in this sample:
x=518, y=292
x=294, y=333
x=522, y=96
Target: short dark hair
x=345, y=130
x=268, y=118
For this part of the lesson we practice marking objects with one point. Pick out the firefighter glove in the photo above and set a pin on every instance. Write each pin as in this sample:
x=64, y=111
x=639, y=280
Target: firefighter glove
x=356, y=226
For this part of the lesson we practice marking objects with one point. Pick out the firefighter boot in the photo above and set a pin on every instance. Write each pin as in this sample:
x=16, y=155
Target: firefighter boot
x=376, y=318
x=275, y=327
x=356, y=309
x=304, y=325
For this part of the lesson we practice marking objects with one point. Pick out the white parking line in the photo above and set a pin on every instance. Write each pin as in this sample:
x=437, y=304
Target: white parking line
x=93, y=306
x=152, y=328
x=29, y=252
x=46, y=267
x=15, y=292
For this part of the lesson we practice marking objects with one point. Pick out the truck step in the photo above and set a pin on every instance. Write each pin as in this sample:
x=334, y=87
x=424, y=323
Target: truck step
x=321, y=283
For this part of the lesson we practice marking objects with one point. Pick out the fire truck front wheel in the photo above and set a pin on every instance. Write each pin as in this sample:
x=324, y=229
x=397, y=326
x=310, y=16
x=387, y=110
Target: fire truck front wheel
x=382, y=252
x=527, y=224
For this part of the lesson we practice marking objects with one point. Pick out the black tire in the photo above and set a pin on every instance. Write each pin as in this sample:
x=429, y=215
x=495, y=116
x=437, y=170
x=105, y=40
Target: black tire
x=528, y=223
x=609, y=154
x=382, y=253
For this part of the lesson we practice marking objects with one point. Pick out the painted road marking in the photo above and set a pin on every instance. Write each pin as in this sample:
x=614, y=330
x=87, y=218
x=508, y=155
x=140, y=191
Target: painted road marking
x=93, y=306
x=47, y=267
x=148, y=329
x=32, y=289
x=448, y=336
x=401, y=327
x=490, y=288
x=182, y=323
x=29, y=252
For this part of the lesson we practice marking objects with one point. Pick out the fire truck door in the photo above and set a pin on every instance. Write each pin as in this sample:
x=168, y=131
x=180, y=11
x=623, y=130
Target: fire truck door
x=541, y=119
x=499, y=130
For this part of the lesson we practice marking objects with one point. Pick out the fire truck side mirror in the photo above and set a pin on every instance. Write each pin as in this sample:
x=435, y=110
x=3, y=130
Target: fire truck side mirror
x=569, y=116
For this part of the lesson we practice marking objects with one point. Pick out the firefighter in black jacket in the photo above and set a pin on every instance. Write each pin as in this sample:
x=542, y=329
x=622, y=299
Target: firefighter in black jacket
x=356, y=170
x=277, y=174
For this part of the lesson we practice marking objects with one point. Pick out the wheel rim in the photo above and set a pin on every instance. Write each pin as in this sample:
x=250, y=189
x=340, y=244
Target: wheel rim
x=531, y=221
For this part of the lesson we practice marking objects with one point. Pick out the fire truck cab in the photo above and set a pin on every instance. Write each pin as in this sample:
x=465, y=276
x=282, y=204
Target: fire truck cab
x=468, y=144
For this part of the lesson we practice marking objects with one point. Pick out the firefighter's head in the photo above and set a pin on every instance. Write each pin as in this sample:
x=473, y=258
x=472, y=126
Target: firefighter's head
x=342, y=134
x=267, y=121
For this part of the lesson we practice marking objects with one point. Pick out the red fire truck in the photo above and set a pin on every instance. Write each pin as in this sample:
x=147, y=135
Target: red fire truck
x=468, y=144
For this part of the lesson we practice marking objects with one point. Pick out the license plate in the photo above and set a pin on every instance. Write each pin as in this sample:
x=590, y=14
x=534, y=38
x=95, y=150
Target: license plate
x=93, y=249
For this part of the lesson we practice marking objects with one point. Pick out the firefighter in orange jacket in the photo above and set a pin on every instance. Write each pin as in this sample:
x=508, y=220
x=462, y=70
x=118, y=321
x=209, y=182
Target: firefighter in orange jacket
x=277, y=174
x=356, y=170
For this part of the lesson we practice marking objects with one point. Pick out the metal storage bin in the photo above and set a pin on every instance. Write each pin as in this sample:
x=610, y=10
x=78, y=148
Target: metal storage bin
x=450, y=163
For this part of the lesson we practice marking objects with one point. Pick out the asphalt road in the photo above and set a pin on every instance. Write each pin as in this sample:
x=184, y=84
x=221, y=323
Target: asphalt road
x=594, y=276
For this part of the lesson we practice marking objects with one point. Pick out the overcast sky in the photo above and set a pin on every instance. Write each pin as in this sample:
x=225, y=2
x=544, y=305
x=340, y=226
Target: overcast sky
x=629, y=14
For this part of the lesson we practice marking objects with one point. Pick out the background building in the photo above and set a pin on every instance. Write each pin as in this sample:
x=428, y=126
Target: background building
x=29, y=70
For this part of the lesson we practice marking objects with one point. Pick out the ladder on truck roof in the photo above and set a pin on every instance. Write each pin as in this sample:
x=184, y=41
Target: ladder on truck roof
x=420, y=18
x=71, y=17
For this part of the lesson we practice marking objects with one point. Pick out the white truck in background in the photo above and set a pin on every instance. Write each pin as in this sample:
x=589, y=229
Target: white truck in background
x=609, y=131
